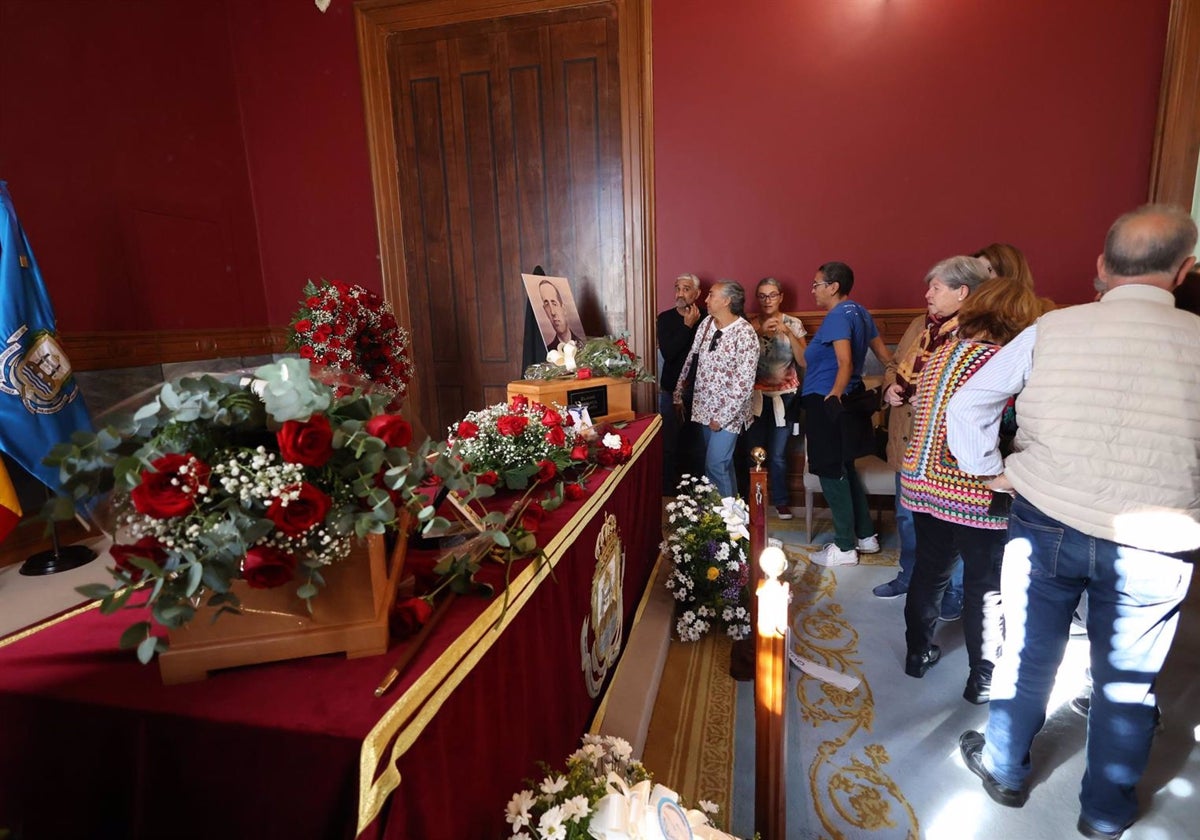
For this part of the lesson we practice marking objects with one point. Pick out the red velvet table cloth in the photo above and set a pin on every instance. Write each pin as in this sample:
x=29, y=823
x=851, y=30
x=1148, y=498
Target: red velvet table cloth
x=92, y=744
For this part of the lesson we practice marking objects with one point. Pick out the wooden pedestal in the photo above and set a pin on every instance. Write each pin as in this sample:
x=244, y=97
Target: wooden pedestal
x=350, y=615
x=607, y=398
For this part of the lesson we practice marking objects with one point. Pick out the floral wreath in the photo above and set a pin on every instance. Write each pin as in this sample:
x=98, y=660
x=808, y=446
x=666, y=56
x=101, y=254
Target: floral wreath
x=346, y=326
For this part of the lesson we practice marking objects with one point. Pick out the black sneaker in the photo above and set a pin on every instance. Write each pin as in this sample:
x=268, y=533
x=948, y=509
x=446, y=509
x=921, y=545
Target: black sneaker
x=970, y=744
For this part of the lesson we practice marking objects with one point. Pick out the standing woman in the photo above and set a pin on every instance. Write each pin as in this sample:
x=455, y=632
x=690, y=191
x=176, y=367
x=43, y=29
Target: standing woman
x=952, y=511
x=835, y=359
x=725, y=353
x=781, y=339
x=948, y=284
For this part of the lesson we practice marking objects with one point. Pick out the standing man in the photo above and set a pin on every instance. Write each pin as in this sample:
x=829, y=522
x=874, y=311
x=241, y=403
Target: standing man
x=1106, y=474
x=552, y=303
x=676, y=331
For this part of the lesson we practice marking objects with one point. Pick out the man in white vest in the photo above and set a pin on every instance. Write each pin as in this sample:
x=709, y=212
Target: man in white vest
x=1106, y=472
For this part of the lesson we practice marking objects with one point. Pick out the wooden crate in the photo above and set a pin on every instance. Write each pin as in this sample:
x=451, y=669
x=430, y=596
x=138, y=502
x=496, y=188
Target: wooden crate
x=350, y=615
x=608, y=398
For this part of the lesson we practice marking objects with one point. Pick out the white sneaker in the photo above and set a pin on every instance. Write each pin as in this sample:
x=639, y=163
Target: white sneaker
x=869, y=545
x=831, y=555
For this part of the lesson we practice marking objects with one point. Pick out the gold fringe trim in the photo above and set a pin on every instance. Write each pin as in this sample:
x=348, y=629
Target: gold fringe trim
x=404, y=722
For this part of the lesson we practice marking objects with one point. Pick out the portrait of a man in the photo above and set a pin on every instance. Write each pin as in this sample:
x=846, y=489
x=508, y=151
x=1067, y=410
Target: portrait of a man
x=554, y=307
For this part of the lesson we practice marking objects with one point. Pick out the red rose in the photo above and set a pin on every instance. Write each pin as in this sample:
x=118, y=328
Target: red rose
x=532, y=517
x=583, y=373
x=490, y=478
x=556, y=436
x=574, y=492
x=579, y=452
x=313, y=301
x=546, y=470
x=303, y=325
x=392, y=429
x=518, y=401
x=550, y=417
x=626, y=449
x=171, y=488
x=265, y=567
x=606, y=457
x=148, y=548
x=408, y=616
x=466, y=430
x=298, y=515
x=512, y=424
x=629, y=374
x=536, y=407
x=309, y=443
x=306, y=352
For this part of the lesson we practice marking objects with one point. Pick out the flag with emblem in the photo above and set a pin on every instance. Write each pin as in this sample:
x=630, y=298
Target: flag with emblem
x=40, y=402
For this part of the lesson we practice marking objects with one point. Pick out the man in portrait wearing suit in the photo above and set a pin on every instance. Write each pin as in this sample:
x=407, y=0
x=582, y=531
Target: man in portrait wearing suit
x=552, y=303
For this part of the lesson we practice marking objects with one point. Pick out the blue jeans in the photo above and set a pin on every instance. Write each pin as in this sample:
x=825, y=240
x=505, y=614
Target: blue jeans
x=1133, y=609
x=908, y=550
x=718, y=459
x=774, y=439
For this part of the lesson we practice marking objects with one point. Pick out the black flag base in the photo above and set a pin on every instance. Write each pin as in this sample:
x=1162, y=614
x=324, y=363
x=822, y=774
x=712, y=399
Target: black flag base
x=57, y=560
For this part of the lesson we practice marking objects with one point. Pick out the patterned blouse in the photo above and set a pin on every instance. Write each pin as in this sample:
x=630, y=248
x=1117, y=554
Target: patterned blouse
x=726, y=362
x=931, y=481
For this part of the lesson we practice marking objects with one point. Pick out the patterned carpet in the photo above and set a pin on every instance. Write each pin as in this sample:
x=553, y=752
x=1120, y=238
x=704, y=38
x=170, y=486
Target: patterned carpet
x=880, y=762
x=690, y=743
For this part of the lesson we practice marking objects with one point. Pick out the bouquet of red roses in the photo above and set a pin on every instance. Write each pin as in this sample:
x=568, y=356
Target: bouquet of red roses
x=268, y=478
x=348, y=327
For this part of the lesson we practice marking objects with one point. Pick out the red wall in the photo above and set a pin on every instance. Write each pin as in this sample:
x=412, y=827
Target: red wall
x=892, y=133
x=190, y=164
x=121, y=143
x=306, y=143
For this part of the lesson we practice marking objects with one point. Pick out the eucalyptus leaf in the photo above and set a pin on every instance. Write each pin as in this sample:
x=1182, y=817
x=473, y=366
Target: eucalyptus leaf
x=94, y=591
x=195, y=575
x=307, y=590
x=146, y=649
x=134, y=635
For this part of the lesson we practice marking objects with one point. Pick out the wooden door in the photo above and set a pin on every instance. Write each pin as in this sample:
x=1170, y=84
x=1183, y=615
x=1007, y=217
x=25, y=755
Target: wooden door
x=508, y=156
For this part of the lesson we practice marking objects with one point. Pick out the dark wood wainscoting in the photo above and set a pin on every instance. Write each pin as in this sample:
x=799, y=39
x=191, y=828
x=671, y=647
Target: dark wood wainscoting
x=111, y=350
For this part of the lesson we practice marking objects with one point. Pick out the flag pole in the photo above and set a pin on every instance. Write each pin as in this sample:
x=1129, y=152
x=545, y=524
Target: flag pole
x=59, y=558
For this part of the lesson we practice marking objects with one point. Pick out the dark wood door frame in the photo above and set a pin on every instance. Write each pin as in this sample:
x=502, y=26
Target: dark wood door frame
x=1177, y=139
x=376, y=20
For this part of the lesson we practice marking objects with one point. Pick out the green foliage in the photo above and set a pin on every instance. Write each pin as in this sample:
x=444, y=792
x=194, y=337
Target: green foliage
x=228, y=429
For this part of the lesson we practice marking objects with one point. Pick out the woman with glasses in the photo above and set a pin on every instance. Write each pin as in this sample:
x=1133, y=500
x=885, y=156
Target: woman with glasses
x=781, y=344
x=834, y=360
x=725, y=354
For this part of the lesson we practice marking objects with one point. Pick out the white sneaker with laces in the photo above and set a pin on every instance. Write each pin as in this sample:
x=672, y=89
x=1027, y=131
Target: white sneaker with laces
x=869, y=545
x=831, y=555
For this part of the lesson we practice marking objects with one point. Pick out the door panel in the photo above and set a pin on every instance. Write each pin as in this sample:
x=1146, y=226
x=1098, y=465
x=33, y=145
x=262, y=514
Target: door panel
x=508, y=147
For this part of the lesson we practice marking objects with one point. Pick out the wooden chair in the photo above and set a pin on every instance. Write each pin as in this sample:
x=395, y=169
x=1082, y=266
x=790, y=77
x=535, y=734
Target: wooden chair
x=878, y=479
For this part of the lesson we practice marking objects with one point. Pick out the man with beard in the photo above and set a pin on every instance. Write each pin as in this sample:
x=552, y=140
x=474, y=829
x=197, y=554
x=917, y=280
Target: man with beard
x=676, y=331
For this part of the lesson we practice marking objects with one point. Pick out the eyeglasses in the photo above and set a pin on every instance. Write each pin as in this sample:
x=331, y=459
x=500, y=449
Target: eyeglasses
x=823, y=283
x=770, y=296
x=712, y=345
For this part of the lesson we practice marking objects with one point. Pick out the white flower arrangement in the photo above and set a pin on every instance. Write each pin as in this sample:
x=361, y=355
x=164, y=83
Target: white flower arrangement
x=707, y=544
x=605, y=794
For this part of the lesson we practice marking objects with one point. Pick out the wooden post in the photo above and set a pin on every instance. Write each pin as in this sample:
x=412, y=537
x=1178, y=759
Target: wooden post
x=770, y=680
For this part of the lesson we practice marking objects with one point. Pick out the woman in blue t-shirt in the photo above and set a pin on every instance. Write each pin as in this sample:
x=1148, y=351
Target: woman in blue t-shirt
x=834, y=364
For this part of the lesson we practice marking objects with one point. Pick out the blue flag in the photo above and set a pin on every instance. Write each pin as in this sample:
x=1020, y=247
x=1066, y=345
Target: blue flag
x=40, y=402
